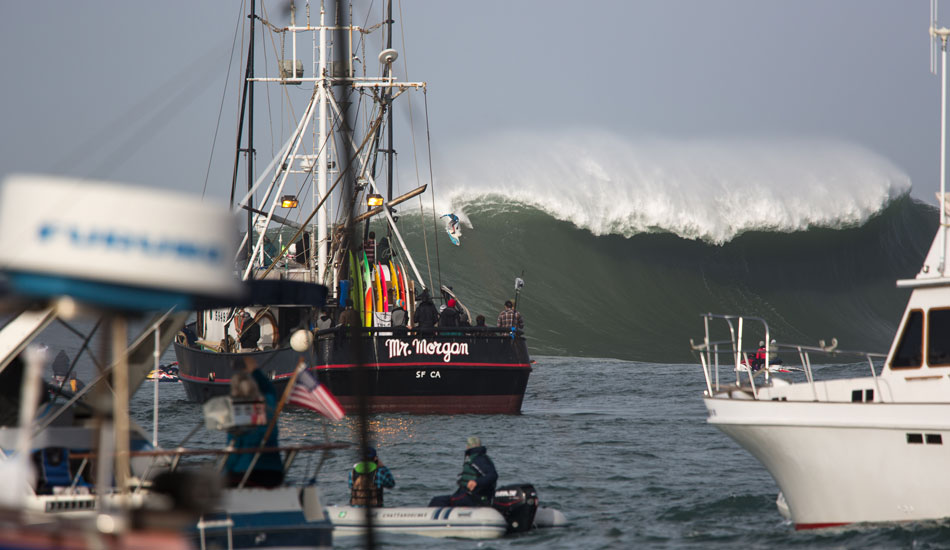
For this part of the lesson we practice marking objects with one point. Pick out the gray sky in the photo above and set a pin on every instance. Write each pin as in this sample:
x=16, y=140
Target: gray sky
x=130, y=91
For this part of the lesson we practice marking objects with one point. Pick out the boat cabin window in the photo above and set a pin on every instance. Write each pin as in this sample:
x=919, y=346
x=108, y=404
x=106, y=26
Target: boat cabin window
x=938, y=337
x=910, y=349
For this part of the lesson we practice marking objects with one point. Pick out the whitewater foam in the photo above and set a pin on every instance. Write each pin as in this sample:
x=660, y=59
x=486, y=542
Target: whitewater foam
x=698, y=189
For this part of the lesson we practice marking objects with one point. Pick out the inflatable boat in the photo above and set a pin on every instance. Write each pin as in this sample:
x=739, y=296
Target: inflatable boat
x=515, y=509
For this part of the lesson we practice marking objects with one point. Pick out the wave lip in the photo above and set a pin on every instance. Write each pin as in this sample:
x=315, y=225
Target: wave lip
x=706, y=189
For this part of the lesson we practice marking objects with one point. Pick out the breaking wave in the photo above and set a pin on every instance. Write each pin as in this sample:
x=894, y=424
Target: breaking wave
x=711, y=190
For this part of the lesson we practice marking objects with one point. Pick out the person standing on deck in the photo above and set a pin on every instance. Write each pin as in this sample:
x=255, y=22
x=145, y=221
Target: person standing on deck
x=350, y=317
x=399, y=316
x=449, y=317
x=249, y=332
x=510, y=317
x=426, y=315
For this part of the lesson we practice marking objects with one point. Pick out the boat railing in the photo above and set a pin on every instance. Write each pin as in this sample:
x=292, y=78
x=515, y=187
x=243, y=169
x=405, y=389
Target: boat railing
x=743, y=359
x=497, y=332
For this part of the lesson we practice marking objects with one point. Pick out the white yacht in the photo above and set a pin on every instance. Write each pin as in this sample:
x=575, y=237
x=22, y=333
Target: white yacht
x=865, y=449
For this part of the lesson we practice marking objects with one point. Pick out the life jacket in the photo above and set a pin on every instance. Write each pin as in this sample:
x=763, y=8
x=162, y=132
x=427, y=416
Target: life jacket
x=471, y=472
x=364, y=491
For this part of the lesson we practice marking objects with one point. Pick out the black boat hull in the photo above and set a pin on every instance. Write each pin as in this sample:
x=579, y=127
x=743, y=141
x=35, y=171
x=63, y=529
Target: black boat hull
x=462, y=372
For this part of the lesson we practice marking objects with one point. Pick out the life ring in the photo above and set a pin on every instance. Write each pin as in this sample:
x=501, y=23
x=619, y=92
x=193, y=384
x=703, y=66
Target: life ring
x=270, y=319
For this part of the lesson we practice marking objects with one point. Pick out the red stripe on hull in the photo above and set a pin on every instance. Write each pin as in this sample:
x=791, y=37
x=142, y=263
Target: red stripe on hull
x=424, y=364
x=804, y=526
x=442, y=404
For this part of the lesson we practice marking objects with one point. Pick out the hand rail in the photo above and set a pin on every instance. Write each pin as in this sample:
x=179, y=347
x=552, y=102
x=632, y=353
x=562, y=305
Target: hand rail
x=710, y=351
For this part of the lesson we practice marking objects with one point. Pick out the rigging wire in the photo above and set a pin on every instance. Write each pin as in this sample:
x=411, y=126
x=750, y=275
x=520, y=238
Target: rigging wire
x=160, y=119
x=169, y=92
x=270, y=115
x=412, y=128
x=415, y=156
x=224, y=94
x=239, y=107
x=438, y=262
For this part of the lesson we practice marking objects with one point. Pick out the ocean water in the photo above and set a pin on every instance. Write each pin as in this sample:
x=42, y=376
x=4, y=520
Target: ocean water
x=622, y=245
x=622, y=448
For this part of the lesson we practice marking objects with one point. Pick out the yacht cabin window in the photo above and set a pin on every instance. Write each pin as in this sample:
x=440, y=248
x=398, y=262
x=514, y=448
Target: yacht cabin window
x=938, y=337
x=910, y=349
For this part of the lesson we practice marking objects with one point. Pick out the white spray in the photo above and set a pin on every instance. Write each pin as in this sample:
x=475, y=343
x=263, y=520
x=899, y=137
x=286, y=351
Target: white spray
x=709, y=189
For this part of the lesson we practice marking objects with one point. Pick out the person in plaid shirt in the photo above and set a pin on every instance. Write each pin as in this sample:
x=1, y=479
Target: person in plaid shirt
x=510, y=317
x=368, y=479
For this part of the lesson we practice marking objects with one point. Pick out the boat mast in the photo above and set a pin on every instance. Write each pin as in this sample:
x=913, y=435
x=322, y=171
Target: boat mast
x=250, y=134
x=389, y=102
x=323, y=144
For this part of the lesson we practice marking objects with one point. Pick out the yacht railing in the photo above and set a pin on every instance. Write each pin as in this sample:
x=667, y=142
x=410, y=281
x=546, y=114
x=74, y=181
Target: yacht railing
x=710, y=351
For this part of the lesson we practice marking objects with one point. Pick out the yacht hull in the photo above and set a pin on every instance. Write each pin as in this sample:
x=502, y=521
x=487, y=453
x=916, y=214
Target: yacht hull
x=840, y=463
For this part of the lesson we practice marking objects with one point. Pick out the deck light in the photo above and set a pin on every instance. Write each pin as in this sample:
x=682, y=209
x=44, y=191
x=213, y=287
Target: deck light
x=374, y=199
x=288, y=201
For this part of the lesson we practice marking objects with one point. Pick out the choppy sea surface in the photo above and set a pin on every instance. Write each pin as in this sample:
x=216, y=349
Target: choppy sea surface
x=622, y=448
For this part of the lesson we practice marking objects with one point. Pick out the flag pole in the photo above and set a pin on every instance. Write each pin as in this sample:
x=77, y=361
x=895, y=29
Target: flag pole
x=519, y=283
x=301, y=366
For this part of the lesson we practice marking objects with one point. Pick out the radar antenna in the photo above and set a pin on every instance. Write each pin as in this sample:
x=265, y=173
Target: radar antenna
x=942, y=33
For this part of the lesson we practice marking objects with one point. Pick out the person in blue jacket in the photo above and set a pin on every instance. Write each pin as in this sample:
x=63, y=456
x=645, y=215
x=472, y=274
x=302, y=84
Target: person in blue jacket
x=477, y=480
x=268, y=470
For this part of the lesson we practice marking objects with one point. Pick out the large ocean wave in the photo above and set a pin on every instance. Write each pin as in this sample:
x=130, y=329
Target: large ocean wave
x=639, y=297
x=712, y=190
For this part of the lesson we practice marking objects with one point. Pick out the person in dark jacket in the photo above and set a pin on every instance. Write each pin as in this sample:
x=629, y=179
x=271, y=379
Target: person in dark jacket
x=350, y=317
x=477, y=480
x=426, y=315
x=449, y=317
x=269, y=469
x=250, y=332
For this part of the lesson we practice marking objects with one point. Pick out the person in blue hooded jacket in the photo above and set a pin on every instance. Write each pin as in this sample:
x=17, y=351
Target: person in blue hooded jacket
x=477, y=480
x=269, y=469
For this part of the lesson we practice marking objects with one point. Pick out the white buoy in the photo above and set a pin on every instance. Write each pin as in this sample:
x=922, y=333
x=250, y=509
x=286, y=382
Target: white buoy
x=301, y=340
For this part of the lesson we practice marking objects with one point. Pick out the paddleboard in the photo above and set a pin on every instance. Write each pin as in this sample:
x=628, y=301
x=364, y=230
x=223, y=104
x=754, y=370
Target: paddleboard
x=368, y=307
x=394, y=284
x=383, y=271
x=356, y=292
x=368, y=293
x=378, y=304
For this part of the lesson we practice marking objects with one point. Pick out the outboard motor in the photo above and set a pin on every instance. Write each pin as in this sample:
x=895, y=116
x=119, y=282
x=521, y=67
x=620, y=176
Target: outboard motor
x=517, y=503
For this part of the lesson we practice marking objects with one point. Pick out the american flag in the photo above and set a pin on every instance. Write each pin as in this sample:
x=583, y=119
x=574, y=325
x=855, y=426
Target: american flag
x=310, y=394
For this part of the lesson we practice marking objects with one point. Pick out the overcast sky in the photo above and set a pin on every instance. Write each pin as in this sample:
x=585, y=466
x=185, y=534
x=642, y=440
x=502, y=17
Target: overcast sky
x=130, y=91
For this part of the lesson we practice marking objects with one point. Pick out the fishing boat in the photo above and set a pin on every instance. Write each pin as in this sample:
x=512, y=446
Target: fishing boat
x=871, y=448
x=411, y=369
